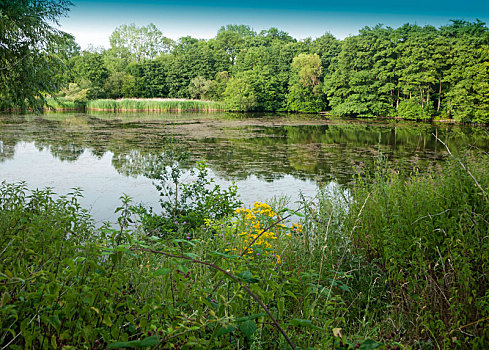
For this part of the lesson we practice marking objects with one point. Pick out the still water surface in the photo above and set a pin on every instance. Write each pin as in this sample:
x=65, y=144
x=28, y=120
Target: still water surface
x=105, y=154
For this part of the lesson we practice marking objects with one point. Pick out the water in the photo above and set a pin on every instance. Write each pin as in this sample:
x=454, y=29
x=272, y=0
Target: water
x=105, y=154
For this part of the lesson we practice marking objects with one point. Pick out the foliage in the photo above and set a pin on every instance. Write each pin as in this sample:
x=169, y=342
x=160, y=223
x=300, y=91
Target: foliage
x=90, y=72
x=427, y=233
x=63, y=104
x=200, y=87
x=412, y=110
x=142, y=43
x=253, y=90
x=394, y=261
x=184, y=204
x=32, y=51
x=411, y=72
x=304, y=86
x=240, y=95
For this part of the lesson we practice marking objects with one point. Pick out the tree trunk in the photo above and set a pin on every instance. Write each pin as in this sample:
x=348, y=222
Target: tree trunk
x=439, y=98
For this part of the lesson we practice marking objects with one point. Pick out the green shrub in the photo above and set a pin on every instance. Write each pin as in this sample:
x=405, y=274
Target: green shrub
x=184, y=205
x=411, y=109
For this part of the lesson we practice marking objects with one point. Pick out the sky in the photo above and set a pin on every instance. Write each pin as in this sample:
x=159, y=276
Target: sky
x=92, y=21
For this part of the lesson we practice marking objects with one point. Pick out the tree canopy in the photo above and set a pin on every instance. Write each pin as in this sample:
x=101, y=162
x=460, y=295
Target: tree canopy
x=32, y=51
x=411, y=72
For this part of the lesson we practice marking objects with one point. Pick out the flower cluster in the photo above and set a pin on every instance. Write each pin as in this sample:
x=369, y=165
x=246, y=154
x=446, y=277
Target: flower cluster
x=256, y=222
x=256, y=229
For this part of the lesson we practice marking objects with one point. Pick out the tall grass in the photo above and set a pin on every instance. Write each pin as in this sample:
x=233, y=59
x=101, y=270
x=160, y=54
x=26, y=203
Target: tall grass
x=428, y=235
x=62, y=104
x=154, y=105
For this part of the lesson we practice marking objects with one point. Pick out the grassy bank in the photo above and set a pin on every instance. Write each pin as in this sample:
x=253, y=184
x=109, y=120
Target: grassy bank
x=401, y=263
x=154, y=105
x=63, y=104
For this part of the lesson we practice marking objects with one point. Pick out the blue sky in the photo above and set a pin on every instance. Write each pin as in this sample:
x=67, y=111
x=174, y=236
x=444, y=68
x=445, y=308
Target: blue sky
x=93, y=21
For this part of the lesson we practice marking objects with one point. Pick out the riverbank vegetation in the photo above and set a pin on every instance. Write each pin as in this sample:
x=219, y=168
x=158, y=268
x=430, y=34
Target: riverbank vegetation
x=399, y=262
x=155, y=105
x=410, y=72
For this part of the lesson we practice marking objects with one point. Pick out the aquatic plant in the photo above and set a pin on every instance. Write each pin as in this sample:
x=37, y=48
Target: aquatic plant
x=154, y=105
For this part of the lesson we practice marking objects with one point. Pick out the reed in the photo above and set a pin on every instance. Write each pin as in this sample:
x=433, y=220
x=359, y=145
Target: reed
x=62, y=104
x=154, y=105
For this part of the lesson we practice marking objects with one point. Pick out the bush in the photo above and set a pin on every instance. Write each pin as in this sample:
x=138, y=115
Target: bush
x=184, y=205
x=413, y=110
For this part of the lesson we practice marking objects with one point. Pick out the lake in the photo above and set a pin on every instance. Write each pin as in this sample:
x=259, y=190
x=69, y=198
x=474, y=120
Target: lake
x=267, y=156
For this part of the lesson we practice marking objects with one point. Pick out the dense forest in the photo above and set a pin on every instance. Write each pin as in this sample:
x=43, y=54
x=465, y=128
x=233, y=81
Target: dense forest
x=411, y=72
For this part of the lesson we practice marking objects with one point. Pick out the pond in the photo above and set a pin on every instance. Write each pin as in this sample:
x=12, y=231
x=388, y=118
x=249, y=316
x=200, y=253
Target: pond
x=267, y=156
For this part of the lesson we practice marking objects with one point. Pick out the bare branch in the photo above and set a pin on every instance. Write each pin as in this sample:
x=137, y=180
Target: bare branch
x=464, y=167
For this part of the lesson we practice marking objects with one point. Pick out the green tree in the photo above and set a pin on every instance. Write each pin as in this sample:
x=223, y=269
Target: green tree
x=150, y=77
x=362, y=83
x=240, y=94
x=120, y=84
x=90, y=72
x=304, y=91
x=200, y=87
x=191, y=58
x=230, y=39
x=32, y=51
x=466, y=98
x=253, y=90
x=146, y=42
x=416, y=68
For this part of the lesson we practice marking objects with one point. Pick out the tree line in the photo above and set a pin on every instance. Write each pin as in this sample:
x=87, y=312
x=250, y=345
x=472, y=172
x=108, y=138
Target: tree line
x=412, y=72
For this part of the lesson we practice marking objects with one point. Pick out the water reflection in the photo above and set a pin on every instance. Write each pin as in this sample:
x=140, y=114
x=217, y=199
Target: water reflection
x=106, y=153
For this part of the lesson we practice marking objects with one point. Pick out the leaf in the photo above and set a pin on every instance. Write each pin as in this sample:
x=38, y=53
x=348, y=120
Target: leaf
x=55, y=322
x=124, y=344
x=183, y=269
x=53, y=342
x=304, y=323
x=191, y=255
x=224, y=255
x=250, y=317
x=281, y=306
x=247, y=277
x=146, y=342
x=290, y=294
x=107, y=321
x=225, y=330
x=162, y=271
x=337, y=332
x=369, y=344
x=183, y=241
x=248, y=328
x=149, y=341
